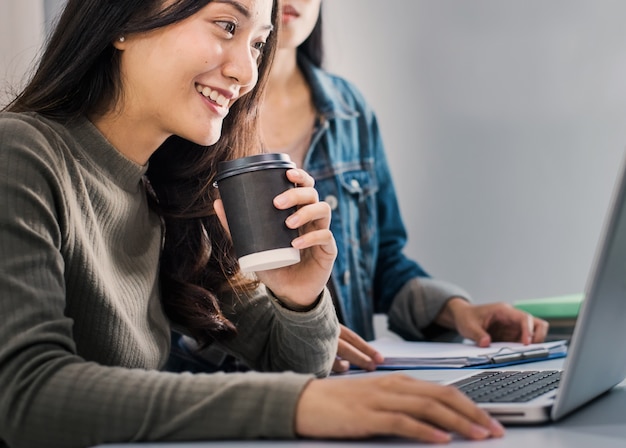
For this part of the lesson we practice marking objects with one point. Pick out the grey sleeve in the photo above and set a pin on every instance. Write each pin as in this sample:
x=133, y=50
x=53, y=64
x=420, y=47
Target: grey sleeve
x=274, y=338
x=51, y=397
x=416, y=306
x=83, y=404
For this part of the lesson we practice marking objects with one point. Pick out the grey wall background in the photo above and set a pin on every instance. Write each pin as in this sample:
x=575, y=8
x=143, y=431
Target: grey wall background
x=505, y=123
x=52, y=8
x=21, y=30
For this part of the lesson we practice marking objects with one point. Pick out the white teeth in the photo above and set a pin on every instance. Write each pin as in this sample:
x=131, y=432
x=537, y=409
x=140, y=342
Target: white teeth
x=213, y=95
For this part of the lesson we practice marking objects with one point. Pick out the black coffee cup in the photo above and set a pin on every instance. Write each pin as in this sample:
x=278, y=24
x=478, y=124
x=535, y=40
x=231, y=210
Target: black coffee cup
x=248, y=187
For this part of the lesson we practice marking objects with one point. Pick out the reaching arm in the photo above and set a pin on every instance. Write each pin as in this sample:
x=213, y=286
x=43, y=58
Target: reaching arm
x=81, y=338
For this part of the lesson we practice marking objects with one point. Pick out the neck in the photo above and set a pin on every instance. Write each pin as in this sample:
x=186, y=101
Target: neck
x=284, y=73
x=287, y=111
x=125, y=134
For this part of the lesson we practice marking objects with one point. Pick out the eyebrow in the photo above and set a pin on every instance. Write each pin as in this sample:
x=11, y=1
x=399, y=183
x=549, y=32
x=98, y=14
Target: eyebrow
x=243, y=10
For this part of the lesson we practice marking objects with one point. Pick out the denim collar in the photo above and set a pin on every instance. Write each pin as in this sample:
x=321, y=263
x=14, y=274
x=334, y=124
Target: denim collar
x=329, y=100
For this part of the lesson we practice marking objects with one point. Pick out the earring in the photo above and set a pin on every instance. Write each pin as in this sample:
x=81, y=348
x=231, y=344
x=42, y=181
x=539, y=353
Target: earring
x=121, y=39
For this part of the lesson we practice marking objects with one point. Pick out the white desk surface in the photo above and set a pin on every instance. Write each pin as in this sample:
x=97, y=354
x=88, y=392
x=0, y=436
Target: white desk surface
x=599, y=424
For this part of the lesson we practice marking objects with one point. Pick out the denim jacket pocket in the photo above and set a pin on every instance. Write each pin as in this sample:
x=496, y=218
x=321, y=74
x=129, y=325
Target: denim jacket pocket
x=359, y=203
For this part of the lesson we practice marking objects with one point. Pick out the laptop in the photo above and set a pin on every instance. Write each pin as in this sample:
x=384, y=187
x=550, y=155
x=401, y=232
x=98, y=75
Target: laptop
x=596, y=359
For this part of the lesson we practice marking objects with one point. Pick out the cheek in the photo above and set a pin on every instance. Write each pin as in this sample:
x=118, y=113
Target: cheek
x=249, y=88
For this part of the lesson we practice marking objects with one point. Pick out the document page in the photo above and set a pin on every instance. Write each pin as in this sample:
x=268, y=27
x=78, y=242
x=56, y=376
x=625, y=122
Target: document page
x=408, y=354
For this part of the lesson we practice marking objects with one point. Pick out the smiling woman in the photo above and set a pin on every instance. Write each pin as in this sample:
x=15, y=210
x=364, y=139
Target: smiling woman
x=87, y=315
x=111, y=235
x=223, y=43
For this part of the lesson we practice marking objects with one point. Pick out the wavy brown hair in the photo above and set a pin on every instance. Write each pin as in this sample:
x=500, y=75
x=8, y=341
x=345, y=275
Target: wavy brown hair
x=198, y=263
x=79, y=75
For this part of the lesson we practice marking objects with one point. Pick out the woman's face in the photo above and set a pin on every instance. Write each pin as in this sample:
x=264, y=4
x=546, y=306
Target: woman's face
x=298, y=20
x=183, y=78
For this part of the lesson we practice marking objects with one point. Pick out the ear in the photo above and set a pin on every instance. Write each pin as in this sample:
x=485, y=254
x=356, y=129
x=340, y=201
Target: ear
x=120, y=43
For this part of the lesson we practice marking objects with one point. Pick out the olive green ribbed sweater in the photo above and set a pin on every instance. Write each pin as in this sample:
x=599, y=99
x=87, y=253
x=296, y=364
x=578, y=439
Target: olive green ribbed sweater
x=82, y=332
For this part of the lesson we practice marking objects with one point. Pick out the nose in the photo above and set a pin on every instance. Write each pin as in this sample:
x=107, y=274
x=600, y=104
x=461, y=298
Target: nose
x=241, y=66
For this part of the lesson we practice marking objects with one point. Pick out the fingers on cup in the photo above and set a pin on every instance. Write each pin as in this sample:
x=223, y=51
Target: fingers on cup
x=300, y=177
x=317, y=213
x=323, y=237
x=296, y=197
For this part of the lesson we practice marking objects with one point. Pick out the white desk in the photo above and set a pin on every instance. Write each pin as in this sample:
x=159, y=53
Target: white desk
x=599, y=424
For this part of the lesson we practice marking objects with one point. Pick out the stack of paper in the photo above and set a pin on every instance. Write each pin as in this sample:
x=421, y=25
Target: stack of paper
x=401, y=354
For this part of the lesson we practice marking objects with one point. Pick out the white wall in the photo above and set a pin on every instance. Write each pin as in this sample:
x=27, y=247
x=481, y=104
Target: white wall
x=52, y=9
x=504, y=122
x=21, y=35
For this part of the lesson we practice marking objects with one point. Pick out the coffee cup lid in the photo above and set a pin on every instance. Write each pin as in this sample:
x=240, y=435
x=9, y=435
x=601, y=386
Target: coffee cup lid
x=253, y=163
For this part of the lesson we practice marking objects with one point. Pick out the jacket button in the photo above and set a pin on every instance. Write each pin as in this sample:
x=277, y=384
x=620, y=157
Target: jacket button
x=331, y=201
x=355, y=183
x=346, y=278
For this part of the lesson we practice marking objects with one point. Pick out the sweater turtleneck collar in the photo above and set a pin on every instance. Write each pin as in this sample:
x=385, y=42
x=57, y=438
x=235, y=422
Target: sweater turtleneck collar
x=105, y=156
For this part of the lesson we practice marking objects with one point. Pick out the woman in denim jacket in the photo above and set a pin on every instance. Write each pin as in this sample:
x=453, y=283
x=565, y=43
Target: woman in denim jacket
x=323, y=122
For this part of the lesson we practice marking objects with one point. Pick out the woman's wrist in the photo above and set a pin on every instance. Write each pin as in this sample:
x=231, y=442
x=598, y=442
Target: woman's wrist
x=296, y=307
x=448, y=315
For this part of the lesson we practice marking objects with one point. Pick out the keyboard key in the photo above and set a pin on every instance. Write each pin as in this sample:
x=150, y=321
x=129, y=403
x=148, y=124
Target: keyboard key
x=509, y=386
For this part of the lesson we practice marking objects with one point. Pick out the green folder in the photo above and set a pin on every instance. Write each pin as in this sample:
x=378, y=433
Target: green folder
x=549, y=308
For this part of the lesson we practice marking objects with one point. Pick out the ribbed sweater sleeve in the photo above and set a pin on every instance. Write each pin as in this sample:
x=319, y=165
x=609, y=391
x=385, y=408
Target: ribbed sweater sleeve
x=83, y=333
x=417, y=305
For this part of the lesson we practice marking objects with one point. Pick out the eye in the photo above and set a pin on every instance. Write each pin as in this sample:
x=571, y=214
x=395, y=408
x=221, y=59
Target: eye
x=229, y=27
x=260, y=46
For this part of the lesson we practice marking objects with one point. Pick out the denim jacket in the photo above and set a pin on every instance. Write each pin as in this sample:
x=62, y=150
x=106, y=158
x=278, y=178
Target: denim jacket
x=348, y=162
x=371, y=274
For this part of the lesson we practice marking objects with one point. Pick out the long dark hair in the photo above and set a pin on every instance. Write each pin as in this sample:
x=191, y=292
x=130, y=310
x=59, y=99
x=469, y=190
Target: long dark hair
x=79, y=71
x=313, y=46
x=198, y=261
x=79, y=75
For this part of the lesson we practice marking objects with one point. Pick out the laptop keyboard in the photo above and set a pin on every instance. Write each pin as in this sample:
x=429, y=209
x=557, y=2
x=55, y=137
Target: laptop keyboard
x=509, y=386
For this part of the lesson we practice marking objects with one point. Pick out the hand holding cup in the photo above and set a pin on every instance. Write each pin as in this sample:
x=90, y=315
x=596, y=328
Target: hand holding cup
x=298, y=284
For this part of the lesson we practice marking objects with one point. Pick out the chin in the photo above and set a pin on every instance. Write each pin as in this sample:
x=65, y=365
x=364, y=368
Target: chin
x=212, y=140
x=203, y=133
x=207, y=140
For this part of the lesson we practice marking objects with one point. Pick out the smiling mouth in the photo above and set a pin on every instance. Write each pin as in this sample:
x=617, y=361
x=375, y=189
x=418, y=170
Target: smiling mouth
x=213, y=95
